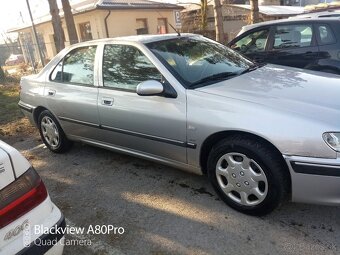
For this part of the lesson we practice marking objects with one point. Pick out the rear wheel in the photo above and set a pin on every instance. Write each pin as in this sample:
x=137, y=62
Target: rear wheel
x=248, y=175
x=52, y=134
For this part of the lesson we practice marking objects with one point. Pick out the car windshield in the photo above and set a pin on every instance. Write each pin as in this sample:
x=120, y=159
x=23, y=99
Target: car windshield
x=197, y=61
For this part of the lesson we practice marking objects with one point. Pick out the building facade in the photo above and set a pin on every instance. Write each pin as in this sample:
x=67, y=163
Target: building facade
x=100, y=19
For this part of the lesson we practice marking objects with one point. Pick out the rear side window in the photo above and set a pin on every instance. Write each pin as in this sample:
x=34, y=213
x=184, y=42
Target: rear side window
x=76, y=67
x=293, y=36
x=325, y=34
x=125, y=66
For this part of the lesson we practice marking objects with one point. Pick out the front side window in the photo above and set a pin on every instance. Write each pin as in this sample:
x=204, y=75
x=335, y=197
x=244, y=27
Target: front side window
x=197, y=61
x=293, y=36
x=326, y=35
x=76, y=67
x=254, y=42
x=125, y=66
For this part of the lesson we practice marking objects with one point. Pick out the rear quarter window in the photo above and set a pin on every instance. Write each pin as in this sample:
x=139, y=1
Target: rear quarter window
x=325, y=34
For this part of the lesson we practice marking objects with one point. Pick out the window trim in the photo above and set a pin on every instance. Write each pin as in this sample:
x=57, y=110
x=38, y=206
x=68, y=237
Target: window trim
x=274, y=29
x=62, y=68
x=101, y=72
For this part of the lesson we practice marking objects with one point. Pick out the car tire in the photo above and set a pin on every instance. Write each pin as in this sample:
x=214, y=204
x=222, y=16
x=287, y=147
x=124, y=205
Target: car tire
x=52, y=134
x=248, y=175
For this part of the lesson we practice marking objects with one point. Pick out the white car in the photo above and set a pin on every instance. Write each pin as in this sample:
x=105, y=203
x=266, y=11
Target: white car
x=24, y=205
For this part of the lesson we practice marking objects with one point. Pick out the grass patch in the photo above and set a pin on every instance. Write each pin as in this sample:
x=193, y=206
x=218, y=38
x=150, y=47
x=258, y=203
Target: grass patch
x=13, y=125
x=9, y=98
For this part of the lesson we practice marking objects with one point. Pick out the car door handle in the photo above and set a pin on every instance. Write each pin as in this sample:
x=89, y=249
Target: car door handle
x=310, y=53
x=51, y=92
x=107, y=101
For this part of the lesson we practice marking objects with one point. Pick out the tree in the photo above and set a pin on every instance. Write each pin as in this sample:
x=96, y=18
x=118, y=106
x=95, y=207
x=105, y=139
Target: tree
x=2, y=74
x=254, y=11
x=218, y=21
x=204, y=14
x=71, y=28
x=58, y=33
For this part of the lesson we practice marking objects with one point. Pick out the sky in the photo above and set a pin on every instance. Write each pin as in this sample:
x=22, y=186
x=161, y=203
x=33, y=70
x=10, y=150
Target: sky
x=10, y=12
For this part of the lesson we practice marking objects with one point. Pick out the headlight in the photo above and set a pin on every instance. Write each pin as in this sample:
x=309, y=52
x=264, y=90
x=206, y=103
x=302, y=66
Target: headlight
x=333, y=140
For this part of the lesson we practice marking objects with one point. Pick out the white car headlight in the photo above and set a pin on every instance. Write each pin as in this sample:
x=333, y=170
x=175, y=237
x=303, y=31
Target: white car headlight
x=333, y=140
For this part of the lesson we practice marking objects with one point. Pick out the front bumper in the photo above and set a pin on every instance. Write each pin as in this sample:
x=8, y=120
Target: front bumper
x=315, y=180
x=47, y=242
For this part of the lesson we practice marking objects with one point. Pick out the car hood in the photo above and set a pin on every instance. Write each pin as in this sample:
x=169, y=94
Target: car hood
x=289, y=89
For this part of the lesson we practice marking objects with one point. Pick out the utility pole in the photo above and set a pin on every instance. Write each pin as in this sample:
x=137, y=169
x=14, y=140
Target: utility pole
x=26, y=46
x=35, y=35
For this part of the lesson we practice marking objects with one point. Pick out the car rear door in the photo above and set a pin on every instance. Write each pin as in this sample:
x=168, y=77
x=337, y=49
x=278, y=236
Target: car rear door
x=329, y=46
x=72, y=93
x=293, y=45
x=155, y=125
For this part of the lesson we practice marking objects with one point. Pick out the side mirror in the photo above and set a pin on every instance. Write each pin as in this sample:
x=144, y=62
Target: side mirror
x=150, y=88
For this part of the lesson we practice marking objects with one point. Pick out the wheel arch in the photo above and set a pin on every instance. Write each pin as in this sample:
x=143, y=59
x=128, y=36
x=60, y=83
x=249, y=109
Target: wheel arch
x=210, y=141
x=37, y=111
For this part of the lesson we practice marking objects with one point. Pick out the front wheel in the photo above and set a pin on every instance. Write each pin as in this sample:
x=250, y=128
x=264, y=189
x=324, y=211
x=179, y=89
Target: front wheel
x=248, y=175
x=52, y=134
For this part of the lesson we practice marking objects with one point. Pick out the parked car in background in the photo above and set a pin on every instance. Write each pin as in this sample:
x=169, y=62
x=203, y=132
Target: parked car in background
x=15, y=60
x=320, y=14
x=260, y=134
x=25, y=203
x=309, y=43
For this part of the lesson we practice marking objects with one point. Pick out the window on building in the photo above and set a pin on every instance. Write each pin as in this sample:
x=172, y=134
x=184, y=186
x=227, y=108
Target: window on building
x=254, y=42
x=76, y=67
x=293, y=36
x=162, y=26
x=142, y=26
x=85, y=31
x=326, y=35
x=125, y=66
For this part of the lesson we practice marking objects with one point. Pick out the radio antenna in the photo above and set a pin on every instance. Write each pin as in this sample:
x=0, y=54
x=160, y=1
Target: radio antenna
x=178, y=33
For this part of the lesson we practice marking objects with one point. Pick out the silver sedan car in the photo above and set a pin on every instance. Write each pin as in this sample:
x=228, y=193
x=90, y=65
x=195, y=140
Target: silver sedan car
x=261, y=134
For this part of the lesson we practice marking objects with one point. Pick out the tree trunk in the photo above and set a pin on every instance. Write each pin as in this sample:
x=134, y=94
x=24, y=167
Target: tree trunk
x=58, y=33
x=218, y=21
x=204, y=10
x=254, y=11
x=71, y=28
x=2, y=75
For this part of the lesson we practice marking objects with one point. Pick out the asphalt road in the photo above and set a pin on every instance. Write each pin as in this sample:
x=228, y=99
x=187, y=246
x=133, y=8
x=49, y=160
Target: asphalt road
x=167, y=211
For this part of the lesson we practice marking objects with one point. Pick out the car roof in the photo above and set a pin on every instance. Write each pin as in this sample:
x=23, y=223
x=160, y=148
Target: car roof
x=322, y=14
x=285, y=21
x=139, y=38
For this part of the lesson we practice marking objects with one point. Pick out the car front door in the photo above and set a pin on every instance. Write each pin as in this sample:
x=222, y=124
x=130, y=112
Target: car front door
x=71, y=92
x=293, y=45
x=155, y=125
x=253, y=44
